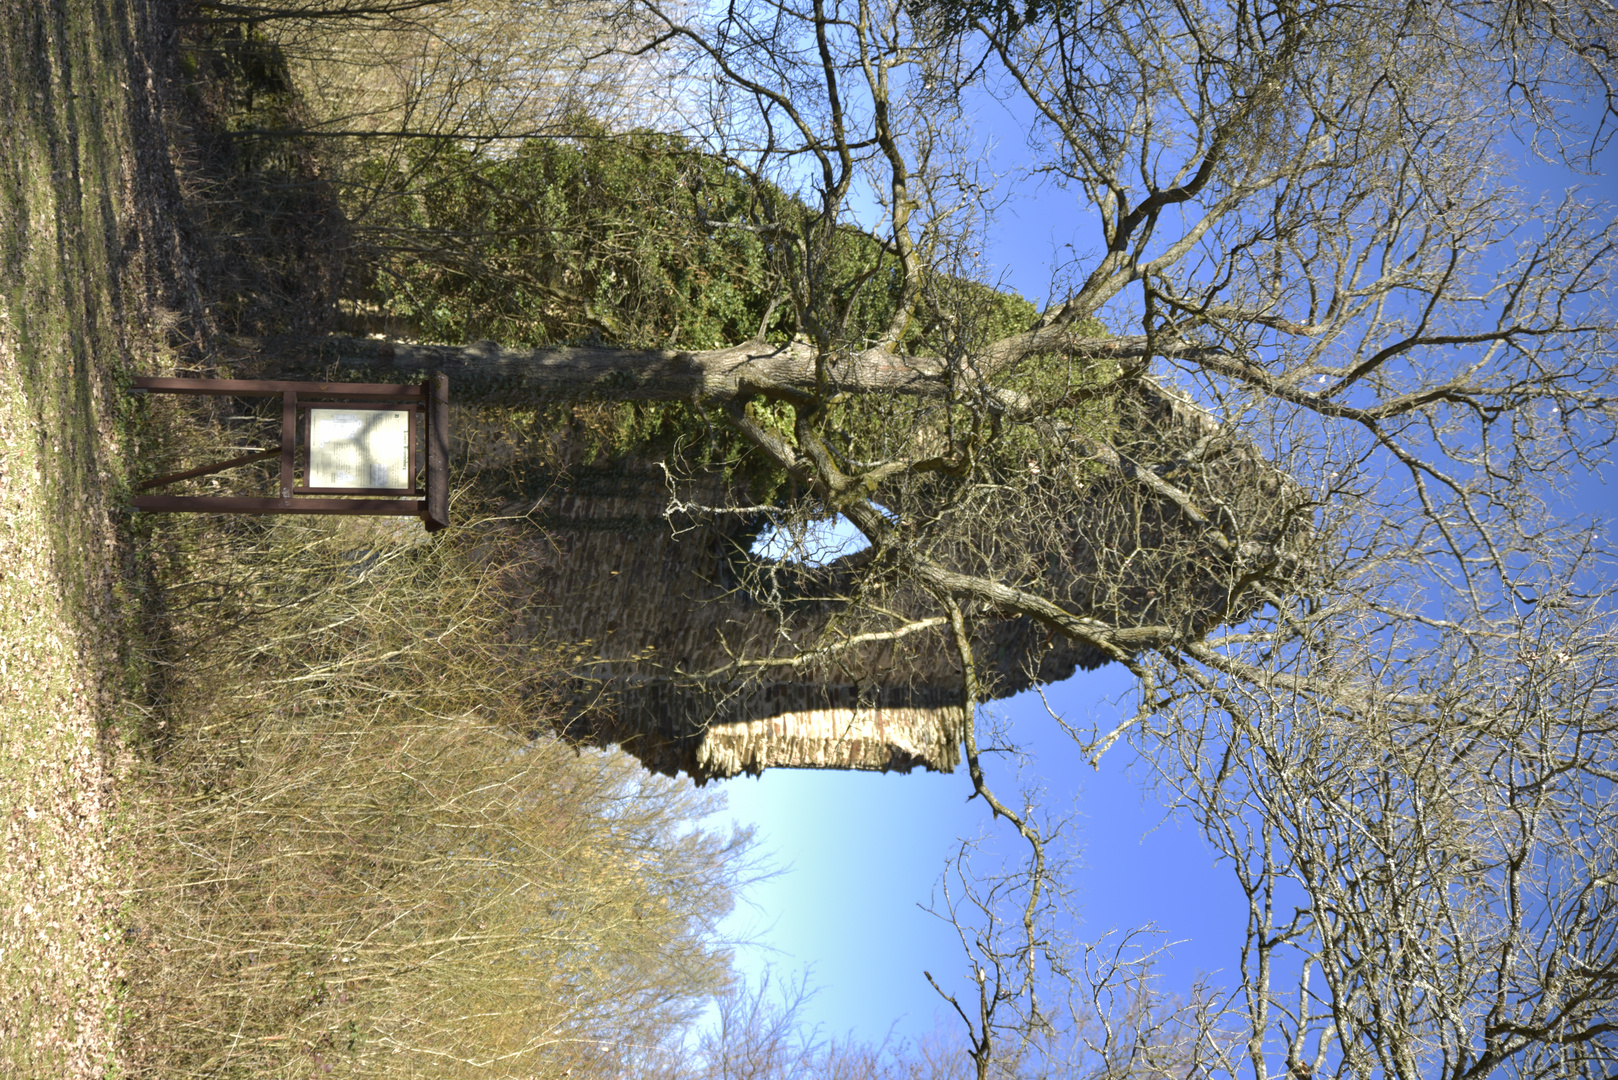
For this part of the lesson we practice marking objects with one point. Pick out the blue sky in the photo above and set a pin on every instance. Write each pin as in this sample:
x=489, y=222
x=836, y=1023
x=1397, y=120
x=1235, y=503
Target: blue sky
x=860, y=854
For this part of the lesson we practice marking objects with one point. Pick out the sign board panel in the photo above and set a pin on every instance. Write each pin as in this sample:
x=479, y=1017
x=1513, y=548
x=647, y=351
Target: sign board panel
x=359, y=448
x=360, y=442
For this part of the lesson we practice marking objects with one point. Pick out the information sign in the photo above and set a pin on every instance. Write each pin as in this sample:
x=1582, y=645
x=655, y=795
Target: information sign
x=383, y=446
x=359, y=449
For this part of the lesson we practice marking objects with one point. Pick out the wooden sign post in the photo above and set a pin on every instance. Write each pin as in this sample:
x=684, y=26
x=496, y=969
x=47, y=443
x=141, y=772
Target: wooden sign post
x=365, y=441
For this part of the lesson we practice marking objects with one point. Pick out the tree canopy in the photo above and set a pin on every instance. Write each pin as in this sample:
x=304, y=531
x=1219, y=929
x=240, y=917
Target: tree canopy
x=1286, y=444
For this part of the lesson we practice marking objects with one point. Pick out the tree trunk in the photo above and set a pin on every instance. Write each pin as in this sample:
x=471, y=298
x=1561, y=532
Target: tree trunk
x=487, y=373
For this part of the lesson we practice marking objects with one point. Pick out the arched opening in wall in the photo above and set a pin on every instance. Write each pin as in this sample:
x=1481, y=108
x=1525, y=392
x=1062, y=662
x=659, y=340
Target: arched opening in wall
x=785, y=561
x=812, y=543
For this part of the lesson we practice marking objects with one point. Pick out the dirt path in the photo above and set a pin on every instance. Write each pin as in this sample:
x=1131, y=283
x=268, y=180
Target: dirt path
x=72, y=300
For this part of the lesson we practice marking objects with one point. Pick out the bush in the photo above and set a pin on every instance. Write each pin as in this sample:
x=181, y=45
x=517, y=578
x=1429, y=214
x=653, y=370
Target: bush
x=352, y=858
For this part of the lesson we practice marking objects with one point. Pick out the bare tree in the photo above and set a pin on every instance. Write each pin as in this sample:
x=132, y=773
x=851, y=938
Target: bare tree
x=389, y=71
x=1304, y=490
x=321, y=120
x=342, y=857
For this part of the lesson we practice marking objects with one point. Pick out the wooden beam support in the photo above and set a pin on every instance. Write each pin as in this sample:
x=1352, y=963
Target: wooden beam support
x=437, y=504
x=234, y=504
x=289, y=440
x=306, y=391
x=171, y=478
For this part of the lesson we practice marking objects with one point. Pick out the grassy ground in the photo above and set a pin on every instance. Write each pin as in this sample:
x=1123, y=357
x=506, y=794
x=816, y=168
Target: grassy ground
x=69, y=296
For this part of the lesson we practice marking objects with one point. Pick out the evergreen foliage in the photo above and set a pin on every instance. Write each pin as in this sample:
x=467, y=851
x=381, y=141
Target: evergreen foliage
x=635, y=241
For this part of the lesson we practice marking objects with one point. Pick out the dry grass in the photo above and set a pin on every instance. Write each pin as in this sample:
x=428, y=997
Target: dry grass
x=58, y=990
x=88, y=260
x=351, y=857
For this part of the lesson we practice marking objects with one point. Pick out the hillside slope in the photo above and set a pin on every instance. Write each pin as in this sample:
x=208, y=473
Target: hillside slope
x=82, y=247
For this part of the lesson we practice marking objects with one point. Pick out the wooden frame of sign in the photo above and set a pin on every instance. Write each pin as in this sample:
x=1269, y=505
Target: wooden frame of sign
x=427, y=405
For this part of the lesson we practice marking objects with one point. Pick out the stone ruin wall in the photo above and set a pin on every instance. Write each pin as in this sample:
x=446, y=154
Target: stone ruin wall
x=650, y=606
